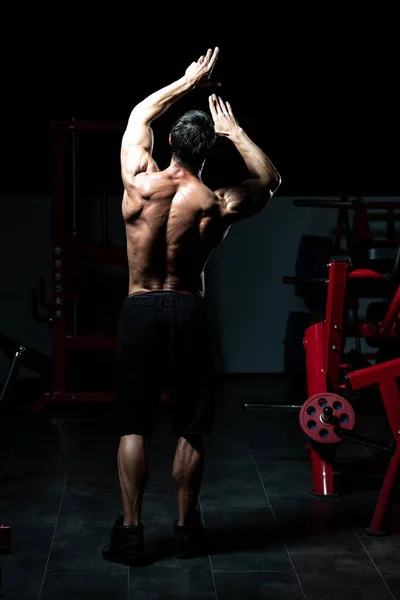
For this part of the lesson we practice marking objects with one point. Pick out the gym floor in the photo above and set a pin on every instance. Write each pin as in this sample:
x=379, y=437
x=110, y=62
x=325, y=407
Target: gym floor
x=269, y=538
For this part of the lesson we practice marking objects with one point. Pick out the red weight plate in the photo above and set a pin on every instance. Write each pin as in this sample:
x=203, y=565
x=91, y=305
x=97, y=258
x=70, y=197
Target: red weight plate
x=311, y=417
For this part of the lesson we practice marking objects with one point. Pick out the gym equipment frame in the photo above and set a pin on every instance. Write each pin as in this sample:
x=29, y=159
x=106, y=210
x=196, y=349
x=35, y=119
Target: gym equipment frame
x=66, y=245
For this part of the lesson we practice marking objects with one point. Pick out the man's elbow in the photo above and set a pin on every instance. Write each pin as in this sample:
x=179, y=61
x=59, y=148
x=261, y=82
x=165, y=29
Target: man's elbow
x=275, y=183
x=269, y=183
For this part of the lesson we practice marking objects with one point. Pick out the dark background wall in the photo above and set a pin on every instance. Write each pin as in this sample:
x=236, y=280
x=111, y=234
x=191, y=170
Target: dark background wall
x=315, y=90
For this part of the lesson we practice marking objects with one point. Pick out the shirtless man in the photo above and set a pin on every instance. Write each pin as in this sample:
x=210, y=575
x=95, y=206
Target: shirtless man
x=173, y=223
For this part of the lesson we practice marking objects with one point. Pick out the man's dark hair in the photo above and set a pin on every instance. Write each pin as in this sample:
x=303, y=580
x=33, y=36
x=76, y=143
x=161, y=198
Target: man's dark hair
x=192, y=138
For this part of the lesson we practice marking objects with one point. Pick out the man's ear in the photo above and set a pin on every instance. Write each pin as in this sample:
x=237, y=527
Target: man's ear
x=169, y=140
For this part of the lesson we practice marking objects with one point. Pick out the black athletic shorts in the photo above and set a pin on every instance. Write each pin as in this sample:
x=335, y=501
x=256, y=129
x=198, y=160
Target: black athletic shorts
x=163, y=344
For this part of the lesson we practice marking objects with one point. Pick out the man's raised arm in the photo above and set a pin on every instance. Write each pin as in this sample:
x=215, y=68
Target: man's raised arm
x=137, y=142
x=253, y=194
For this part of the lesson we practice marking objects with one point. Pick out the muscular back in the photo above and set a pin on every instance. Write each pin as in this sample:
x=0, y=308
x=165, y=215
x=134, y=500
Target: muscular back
x=173, y=223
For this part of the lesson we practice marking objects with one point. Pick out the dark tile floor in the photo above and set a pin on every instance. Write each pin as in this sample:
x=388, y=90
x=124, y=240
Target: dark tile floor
x=269, y=538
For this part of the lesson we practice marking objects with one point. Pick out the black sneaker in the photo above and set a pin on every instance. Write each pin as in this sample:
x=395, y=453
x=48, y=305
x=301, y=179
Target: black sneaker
x=126, y=544
x=190, y=540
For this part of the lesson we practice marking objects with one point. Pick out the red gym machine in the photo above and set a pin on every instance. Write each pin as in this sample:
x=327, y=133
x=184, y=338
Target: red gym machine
x=334, y=376
x=67, y=247
x=328, y=417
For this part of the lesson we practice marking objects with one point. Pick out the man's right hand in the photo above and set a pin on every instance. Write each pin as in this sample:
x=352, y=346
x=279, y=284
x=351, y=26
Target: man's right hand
x=199, y=73
x=225, y=123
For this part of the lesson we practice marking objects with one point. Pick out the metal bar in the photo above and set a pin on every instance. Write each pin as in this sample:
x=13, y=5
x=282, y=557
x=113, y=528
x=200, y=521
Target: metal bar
x=12, y=373
x=334, y=321
x=323, y=203
x=361, y=228
x=306, y=280
x=386, y=490
x=59, y=154
x=314, y=350
x=369, y=205
x=390, y=393
x=273, y=406
x=385, y=375
x=363, y=439
x=374, y=375
x=74, y=217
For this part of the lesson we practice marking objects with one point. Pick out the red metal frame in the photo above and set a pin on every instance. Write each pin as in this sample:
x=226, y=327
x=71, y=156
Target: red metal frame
x=334, y=321
x=385, y=375
x=59, y=143
x=386, y=490
x=322, y=468
x=65, y=397
x=66, y=247
x=327, y=371
x=361, y=226
x=386, y=327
